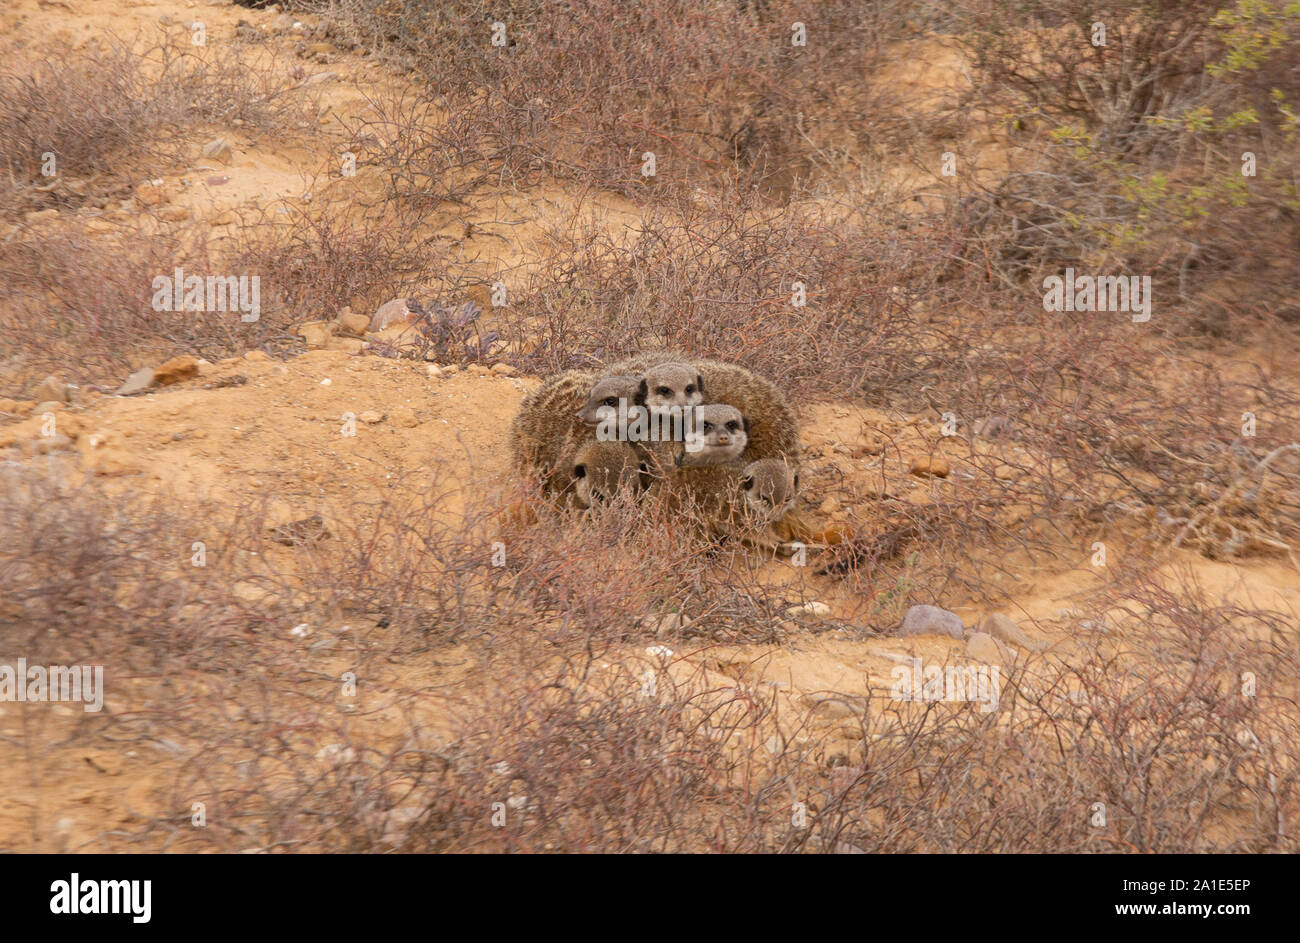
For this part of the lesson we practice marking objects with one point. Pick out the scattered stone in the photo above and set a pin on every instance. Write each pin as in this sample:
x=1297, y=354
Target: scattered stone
x=36, y=216
x=1003, y=628
x=477, y=369
x=371, y=416
x=218, y=149
x=818, y=610
x=404, y=417
x=391, y=312
x=137, y=382
x=664, y=625
x=984, y=648
x=834, y=705
x=177, y=369
x=316, y=334
x=829, y=505
x=52, y=388
x=173, y=213
x=305, y=531
x=504, y=370
x=433, y=371
x=929, y=466
x=931, y=620
x=354, y=324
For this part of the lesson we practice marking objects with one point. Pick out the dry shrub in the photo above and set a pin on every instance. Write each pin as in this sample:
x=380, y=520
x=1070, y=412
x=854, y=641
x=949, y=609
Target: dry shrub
x=112, y=107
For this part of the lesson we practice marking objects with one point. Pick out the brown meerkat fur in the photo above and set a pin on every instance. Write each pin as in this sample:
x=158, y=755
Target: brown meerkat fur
x=600, y=471
x=547, y=430
x=773, y=432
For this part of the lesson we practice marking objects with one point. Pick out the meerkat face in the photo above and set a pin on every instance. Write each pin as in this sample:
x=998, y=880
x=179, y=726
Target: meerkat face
x=770, y=487
x=606, y=395
x=721, y=434
x=671, y=384
x=601, y=470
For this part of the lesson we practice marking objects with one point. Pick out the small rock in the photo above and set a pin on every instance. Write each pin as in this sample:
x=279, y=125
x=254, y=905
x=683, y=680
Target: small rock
x=929, y=466
x=306, y=531
x=830, y=505
x=504, y=370
x=390, y=312
x=930, y=620
x=137, y=382
x=218, y=149
x=371, y=416
x=477, y=369
x=404, y=416
x=173, y=213
x=1003, y=628
x=664, y=625
x=52, y=388
x=36, y=216
x=177, y=369
x=818, y=610
x=354, y=324
x=316, y=334
x=983, y=647
x=433, y=371
x=320, y=49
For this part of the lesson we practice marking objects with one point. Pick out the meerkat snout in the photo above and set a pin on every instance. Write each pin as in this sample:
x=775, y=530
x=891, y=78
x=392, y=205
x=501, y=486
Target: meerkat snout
x=605, y=395
x=670, y=384
x=770, y=487
x=721, y=433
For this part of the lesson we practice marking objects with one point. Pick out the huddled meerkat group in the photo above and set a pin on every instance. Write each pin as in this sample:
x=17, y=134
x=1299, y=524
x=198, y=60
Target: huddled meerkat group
x=721, y=439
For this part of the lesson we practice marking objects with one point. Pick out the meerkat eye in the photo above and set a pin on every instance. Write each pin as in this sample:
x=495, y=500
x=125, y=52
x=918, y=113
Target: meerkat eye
x=579, y=471
x=708, y=427
x=663, y=391
x=690, y=389
x=611, y=401
x=747, y=483
x=733, y=426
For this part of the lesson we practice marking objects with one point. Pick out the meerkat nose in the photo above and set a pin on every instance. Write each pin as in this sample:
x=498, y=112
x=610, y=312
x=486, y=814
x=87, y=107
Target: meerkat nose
x=724, y=440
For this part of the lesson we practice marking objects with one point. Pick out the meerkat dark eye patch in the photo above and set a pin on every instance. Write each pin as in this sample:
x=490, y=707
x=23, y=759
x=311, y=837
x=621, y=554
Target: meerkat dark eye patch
x=641, y=392
x=579, y=471
x=690, y=389
x=733, y=426
x=611, y=401
x=747, y=482
x=707, y=427
x=664, y=391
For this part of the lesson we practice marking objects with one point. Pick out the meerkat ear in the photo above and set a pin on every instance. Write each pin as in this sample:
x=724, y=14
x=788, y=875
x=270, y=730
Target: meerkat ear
x=699, y=383
x=745, y=420
x=747, y=482
x=641, y=392
x=579, y=471
x=796, y=481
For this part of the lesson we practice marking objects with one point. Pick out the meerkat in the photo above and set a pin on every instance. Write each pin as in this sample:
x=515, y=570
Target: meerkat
x=721, y=434
x=773, y=431
x=602, y=470
x=670, y=384
x=547, y=430
x=770, y=486
x=606, y=394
